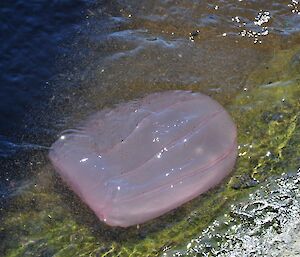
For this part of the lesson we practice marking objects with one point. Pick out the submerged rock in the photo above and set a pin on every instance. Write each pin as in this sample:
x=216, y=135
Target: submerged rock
x=264, y=224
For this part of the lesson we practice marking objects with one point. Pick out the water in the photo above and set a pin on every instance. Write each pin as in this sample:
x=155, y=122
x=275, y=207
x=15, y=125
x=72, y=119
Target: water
x=33, y=35
x=64, y=60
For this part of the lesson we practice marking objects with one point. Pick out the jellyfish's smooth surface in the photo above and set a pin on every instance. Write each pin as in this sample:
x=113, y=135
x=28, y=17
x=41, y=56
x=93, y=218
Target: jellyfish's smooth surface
x=144, y=158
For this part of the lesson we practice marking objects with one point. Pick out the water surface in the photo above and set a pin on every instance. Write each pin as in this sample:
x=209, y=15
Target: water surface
x=65, y=60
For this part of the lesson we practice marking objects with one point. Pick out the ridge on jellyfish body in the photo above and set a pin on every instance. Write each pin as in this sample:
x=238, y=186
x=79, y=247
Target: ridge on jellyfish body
x=146, y=157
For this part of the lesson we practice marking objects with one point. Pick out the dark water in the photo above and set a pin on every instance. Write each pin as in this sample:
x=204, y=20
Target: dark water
x=33, y=34
x=62, y=60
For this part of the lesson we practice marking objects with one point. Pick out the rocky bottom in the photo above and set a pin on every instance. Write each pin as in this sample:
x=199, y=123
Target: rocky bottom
x=265, y=224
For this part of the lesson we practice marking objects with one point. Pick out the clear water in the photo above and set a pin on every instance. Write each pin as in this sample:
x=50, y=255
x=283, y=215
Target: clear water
x=64, y=60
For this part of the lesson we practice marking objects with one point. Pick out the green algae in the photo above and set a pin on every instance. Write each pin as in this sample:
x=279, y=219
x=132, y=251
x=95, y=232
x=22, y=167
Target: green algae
x=269, y=119
x=46, y=219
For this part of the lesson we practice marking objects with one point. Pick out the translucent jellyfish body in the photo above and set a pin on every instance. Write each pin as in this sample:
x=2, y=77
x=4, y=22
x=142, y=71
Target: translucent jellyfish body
x=144, y=158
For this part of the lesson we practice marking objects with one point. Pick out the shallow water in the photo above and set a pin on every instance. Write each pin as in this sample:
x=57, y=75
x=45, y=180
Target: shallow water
x=65, y=60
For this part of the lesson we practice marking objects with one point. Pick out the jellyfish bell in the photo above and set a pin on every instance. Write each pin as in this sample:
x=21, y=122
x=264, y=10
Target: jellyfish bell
x=146, y=157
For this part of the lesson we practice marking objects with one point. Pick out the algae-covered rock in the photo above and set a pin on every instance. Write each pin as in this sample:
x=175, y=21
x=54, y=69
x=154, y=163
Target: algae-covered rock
x=268, y=121
x=46, y=219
